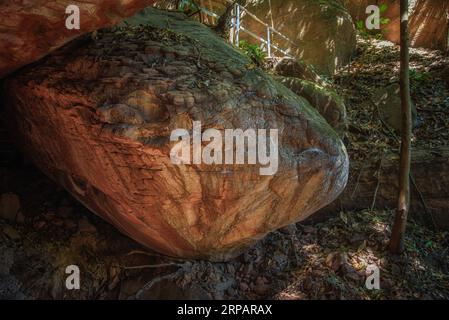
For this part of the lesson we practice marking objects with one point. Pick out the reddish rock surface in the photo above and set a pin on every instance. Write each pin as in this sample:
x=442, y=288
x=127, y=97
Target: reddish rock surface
x=428, y=21
x=31, y=29
x=429, y=24
x=97, y=119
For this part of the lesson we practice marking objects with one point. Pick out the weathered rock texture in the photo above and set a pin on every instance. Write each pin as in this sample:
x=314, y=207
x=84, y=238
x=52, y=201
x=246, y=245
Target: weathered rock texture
x=325, y=101
x=391, y=30
x=290, y=67
x=305, y=82
x=97, y=119
x=429, y=192
x=31, y=29
x=357, y=8
x=322, y=31
x=428, y=22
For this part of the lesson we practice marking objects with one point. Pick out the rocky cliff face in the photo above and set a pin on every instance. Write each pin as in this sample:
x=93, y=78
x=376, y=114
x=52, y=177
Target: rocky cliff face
x=322, y=31
x=97, y=118
x=428, y=21
x=31, y=29
x=429, y=24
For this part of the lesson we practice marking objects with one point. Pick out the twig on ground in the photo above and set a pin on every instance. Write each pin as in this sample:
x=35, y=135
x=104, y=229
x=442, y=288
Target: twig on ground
x=151, y=283
x=358, y=177
x=149, y=266
x=151, y=254
x=423, y=202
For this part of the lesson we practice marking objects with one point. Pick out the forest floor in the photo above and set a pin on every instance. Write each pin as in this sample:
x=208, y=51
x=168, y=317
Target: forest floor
x=326, y=260
x=377, y=66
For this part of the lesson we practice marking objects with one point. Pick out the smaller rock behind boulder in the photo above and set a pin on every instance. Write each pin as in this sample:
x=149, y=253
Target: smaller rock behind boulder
x=290, y=67
x=388, y=101
x=323, y=99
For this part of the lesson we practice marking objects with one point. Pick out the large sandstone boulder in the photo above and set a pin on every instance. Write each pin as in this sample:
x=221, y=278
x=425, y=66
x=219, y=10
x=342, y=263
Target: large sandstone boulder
x=31, y=29
x=98, y=120
x=322, y=31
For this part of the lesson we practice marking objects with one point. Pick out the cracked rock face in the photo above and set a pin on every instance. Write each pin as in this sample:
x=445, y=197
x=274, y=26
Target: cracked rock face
x=31, y=29
x=302, y=80
x=97, y=118
x=324, y=99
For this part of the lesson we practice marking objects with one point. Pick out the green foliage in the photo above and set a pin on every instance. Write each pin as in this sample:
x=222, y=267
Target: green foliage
x=383, y=8
x=187, y=6
x=361, y=28
x=417, y=78
x=253, y=51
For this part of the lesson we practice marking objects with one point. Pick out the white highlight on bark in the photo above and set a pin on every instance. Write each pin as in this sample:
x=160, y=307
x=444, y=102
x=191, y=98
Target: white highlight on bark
x=73, y=20
x=240, y=147
x=373, y=20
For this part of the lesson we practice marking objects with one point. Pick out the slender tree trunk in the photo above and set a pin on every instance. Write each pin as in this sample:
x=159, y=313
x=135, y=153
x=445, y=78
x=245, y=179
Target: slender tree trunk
x=224, y=23
x=398, y=232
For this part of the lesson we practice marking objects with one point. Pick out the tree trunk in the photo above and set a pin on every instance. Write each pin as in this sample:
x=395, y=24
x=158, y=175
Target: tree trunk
x=224, y=24
x=398, y=232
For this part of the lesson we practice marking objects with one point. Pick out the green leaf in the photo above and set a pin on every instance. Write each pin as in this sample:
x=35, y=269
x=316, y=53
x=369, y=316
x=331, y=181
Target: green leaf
x=383, y=7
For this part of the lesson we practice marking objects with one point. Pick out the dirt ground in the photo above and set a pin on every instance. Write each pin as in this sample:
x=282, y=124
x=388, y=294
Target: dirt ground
x=321, y=261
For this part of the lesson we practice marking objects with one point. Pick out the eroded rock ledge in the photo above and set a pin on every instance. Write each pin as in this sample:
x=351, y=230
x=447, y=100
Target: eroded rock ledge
x=31, y=29
x=97, y=119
